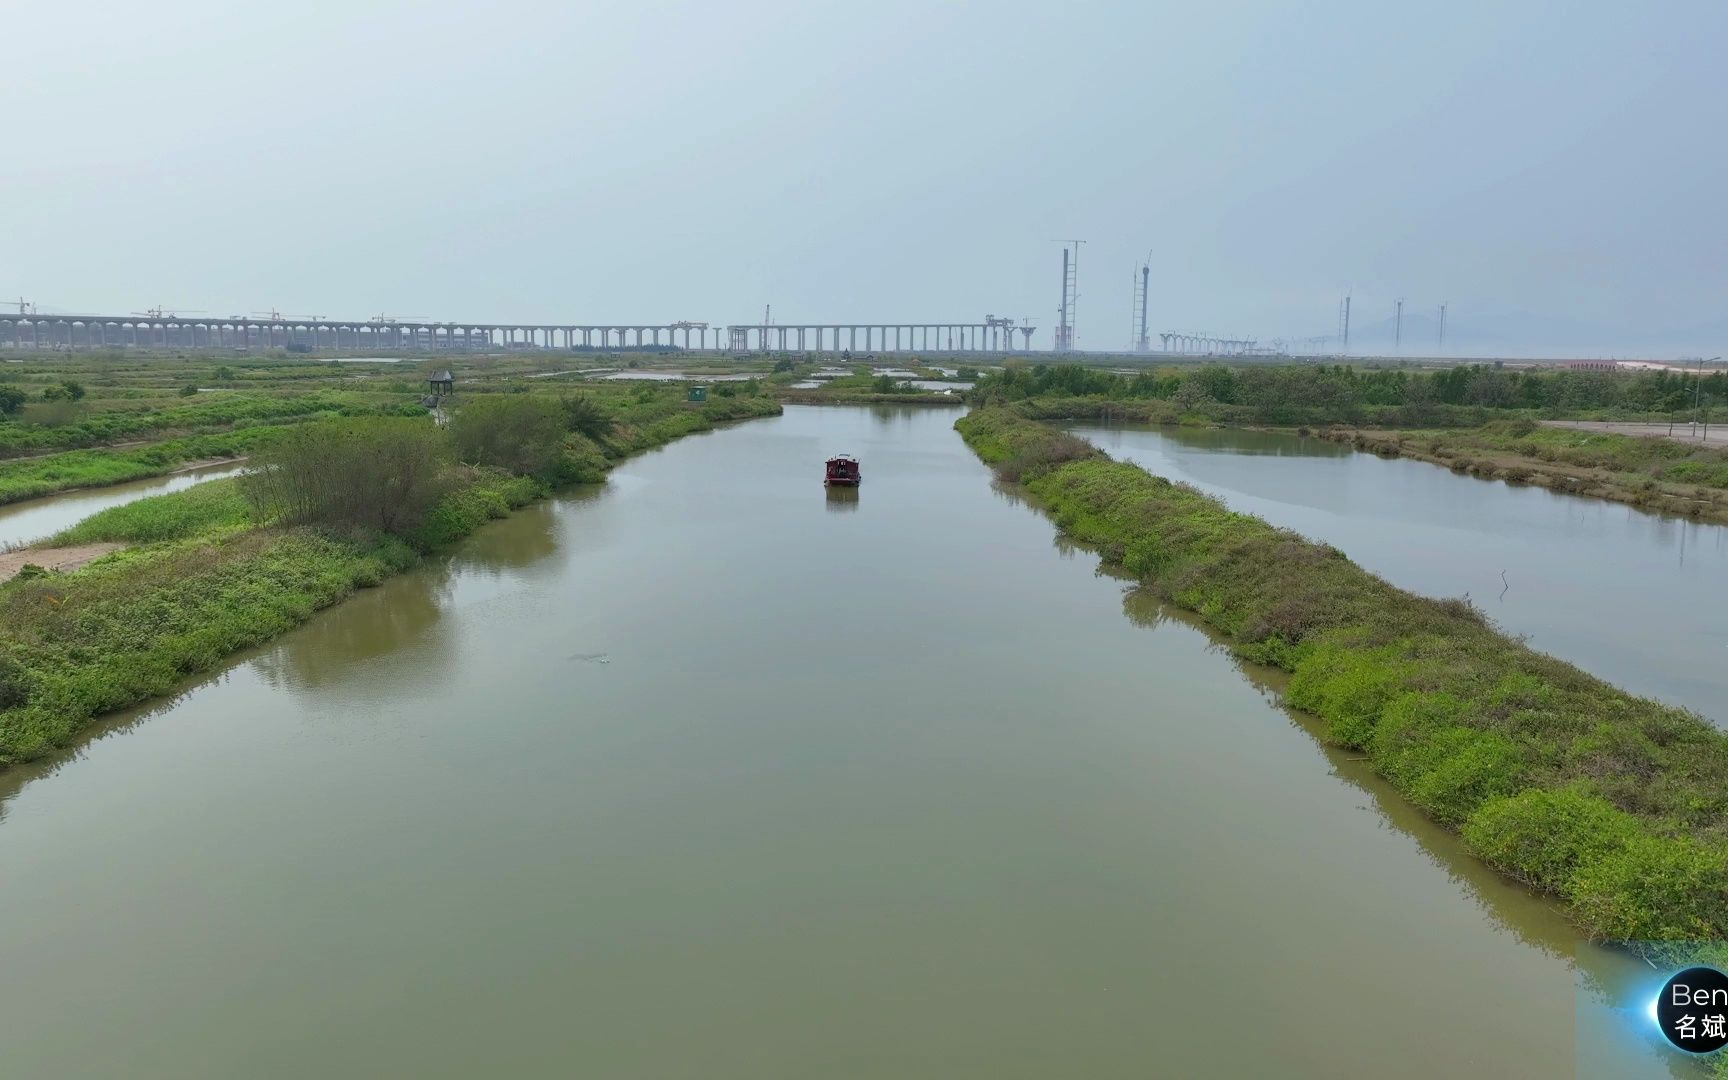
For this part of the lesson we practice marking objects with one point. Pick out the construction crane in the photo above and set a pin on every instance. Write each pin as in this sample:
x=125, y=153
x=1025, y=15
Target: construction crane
x=398, y=318
x=161, y=312
x=25, y=307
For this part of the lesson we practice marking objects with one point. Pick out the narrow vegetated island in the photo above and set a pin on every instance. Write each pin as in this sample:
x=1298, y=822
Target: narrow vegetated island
x=1616, y=804
x=328, y=506
x=1481, y=420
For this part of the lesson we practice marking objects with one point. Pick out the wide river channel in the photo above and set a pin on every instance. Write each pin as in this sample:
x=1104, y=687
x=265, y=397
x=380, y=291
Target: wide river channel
x=709, y=773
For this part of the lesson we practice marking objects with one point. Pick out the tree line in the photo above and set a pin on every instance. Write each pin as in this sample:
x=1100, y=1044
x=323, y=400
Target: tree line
x=1342, y=387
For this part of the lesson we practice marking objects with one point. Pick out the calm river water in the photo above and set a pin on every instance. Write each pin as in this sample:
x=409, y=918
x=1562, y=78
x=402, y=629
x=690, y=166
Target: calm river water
x=1635, y=598
x=709, y=774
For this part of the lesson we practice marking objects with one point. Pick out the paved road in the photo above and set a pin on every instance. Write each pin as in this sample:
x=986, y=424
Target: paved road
x=1683, y=432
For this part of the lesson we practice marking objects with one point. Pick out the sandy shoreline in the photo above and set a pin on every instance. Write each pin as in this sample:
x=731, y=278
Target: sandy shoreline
x=62, y=558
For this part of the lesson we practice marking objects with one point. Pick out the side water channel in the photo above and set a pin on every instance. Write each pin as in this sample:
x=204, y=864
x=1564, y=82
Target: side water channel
x=1637, y=599
x=710, y=773
x=37, y=519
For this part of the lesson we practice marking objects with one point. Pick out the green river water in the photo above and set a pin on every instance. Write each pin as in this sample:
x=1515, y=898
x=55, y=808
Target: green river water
x=709, y=774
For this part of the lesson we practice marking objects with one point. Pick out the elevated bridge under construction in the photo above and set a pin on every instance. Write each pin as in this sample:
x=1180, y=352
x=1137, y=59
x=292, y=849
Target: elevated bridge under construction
x=1192, y=344
x=162, y=329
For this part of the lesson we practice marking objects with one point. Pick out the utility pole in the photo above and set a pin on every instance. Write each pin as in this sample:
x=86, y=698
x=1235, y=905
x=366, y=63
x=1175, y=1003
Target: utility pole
x=1397, y=326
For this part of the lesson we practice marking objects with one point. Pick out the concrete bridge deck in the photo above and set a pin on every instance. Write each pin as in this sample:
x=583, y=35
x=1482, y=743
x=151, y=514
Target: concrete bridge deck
x=168, y=330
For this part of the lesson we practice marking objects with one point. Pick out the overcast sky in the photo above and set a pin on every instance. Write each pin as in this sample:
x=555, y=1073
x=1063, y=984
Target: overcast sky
x=872, y=161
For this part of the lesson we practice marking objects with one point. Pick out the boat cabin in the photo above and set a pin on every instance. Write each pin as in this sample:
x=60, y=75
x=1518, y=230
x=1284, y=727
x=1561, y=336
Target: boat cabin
x=841, y=471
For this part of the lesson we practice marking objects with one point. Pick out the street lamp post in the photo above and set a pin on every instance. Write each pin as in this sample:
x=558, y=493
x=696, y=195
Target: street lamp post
x=1698, y=394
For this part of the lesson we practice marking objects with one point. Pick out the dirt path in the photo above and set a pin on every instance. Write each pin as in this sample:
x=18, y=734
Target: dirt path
x=65, y=558
x=205, y=463
x=1715, y=436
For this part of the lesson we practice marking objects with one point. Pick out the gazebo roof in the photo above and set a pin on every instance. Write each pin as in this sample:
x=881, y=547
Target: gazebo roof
x=442, y=376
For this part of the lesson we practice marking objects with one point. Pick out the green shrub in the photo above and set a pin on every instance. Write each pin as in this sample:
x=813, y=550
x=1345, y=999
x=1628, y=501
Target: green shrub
x=1544, y=836
x=1347, y=687
x=382, y=473
x=1460, y=768
x=1654, y=888
x=523, y=434
x=587, y=417
x=480, y=497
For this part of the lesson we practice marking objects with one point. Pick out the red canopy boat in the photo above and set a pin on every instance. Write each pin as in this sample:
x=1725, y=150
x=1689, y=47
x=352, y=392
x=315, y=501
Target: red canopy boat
x=841, y=471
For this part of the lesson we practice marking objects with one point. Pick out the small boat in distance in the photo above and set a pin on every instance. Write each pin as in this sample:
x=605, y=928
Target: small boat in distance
x=841, y=471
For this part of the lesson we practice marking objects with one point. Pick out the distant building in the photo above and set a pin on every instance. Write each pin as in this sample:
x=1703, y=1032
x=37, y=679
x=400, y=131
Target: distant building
x=1591, y=365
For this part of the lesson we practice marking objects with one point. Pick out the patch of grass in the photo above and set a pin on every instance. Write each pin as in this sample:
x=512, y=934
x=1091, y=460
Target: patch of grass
x=29, y=478
x=222, y=412
x=213, y=506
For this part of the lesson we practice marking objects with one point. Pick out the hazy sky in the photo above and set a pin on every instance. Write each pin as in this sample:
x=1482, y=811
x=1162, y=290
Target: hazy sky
x=871, y=161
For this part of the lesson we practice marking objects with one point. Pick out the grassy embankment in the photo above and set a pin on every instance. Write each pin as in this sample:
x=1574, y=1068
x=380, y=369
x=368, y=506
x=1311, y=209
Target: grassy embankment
x=1650, y=473
x=215, y=569
x=1616, y=804
x=34, y=477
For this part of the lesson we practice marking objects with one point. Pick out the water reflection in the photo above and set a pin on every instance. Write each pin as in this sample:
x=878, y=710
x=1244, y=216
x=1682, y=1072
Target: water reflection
x=15, y=779
x=841, y=499
x=400, y=621
x=1255, y=443
x=1611, y=981
x=400, y=615
x=524, y=539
